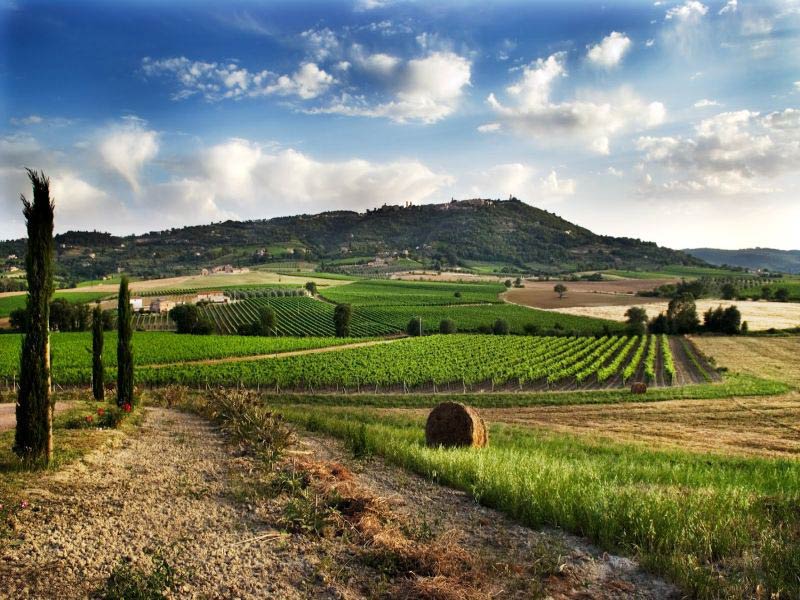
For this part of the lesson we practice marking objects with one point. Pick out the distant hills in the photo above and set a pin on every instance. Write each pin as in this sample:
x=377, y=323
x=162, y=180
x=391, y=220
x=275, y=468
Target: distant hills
x=508, y=232
x=786, y=261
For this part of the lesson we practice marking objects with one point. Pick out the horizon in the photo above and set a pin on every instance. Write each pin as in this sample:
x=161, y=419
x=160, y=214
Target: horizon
x=671, y=122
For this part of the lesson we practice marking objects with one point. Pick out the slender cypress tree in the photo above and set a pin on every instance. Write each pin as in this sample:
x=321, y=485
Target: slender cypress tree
x=33, y=438
x=124, y=349
x=98, y=372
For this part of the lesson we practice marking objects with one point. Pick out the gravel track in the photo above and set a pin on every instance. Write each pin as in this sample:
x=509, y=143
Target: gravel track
x=165, y=489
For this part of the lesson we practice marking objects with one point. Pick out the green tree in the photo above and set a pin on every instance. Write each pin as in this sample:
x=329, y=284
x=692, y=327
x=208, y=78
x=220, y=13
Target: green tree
x=659, y=324
x=728, y=291
x=124, y=345
x=560, y=289
x=782, y=295
x=189, y=319
x=341, y=319
x=414, y=327
x=636, y=322
x=18, y=319
x=267, y=321
x=33, y=438
x=311, y=287
x=507, y=283
x=682, y=314
x=766, y=292
x=447, y=326
x=98, y=374
x=500, y=327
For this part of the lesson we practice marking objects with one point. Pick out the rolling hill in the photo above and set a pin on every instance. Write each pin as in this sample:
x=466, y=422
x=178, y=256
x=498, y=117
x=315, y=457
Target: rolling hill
x=506, y=231
x=786, y=261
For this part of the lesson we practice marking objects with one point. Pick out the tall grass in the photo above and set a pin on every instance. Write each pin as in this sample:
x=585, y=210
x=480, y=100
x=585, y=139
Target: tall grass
x=717, y=526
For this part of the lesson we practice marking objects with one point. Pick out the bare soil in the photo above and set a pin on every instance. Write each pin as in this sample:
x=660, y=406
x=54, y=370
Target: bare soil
x=619, y=292
x=8, y=418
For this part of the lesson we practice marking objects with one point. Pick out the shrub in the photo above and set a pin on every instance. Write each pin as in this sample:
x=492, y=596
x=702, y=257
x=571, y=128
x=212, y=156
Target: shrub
x=447, y=326
x=500, y=327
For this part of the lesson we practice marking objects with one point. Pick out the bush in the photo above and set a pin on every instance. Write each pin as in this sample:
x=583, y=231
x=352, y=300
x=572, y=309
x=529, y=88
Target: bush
x=414, y=327
x=531, y=329
x=447, y=326
x=500, y=327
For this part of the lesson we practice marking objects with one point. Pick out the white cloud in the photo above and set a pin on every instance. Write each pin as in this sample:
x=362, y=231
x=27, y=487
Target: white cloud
x=519, y=180
x=362, y=5
x=731, y=6
x=218, y=81
x=378, y=63
x=609, y=52
x=650, y=43
x=489, y=127
x=127, y=147
x=689, y=12
x=322, y=43
x=593, y=117
x=615, y=172
x=29, y=120
x=248, y=180
x=705, y=103
x=428, y=90
x=730, y=153
x=797, y=86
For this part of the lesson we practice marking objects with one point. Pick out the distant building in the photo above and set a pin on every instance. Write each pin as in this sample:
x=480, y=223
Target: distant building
x=215, y=296
x=162, y=305
x=136, y=304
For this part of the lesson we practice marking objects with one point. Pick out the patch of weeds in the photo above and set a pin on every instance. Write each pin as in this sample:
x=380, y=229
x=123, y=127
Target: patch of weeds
x=308, y=513
x=126, y=582
x=420, y=531
x=356, y=441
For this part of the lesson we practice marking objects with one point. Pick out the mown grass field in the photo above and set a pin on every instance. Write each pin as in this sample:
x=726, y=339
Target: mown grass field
x=11, y=303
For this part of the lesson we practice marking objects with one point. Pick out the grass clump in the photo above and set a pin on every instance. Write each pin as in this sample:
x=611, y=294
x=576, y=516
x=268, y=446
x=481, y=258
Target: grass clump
x=127, y=582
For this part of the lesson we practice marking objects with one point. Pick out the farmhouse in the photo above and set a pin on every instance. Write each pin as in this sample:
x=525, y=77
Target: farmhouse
x=136, y=304
x=162, y=305
x=216, y=296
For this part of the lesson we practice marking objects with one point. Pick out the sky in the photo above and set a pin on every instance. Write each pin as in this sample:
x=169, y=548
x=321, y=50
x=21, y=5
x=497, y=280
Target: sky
x=675, y=122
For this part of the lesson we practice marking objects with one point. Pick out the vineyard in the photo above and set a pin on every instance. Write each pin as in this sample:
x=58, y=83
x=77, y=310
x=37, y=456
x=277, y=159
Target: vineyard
x=72, y=351
x=458, y=363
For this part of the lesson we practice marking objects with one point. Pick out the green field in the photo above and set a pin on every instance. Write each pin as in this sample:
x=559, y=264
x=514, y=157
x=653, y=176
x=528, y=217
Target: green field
x=72, y=357
x=673, y=271
x=11, y=303
x=792, y=284
x=413, y=293
x=685, y=515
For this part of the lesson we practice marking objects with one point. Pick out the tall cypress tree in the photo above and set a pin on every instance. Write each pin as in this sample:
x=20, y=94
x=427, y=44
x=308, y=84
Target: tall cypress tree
x=98, y=372
x=34, y=434
x=124, y=349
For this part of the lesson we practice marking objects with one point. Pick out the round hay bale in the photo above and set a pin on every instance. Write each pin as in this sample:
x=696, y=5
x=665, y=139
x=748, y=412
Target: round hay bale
x=638, y=387
x=453, y=424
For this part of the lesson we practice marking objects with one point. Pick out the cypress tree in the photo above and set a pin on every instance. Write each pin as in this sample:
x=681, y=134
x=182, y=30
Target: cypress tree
x=34, y=433
x=98, y=373
x=341, y=320
x=124, y=349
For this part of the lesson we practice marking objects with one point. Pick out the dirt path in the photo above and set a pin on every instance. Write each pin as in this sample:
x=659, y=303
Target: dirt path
x=8, y=418
x=166, y=489
x=249, y=357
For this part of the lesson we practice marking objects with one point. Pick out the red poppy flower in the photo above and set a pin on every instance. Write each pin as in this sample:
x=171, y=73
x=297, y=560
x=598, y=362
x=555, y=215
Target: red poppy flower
x=89, y=418
x=101, y=411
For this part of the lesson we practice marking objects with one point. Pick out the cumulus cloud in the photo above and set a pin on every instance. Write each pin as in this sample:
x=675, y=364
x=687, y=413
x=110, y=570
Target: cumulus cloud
x=428, y=89
x=522, y=181
x=127, y=147
x=322, y=43
x=689, y=12
x=609, y=52
x=731, y=6
x=378, y=63
x=730, y=153
x=593, y=117
x=217, y=81
x=249, y=180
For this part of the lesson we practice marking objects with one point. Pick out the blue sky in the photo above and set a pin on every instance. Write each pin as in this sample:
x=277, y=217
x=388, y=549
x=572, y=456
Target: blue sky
x=676, y=122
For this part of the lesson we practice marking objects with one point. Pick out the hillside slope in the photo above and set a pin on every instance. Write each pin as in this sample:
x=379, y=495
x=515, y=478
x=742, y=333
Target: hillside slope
x=507, y=231
x=786, y=261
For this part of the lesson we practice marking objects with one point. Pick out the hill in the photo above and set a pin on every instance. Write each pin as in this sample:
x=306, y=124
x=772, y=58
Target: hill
x=785, y=261
x=511, y=232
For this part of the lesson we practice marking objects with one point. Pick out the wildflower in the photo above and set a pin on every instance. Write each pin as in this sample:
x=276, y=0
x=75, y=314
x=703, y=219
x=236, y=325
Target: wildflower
x=89, y=418
x=126, y=407
x=24, y=504
x=101, y=411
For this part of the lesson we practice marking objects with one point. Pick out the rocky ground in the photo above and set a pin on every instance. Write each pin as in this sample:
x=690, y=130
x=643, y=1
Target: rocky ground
x=177, y=490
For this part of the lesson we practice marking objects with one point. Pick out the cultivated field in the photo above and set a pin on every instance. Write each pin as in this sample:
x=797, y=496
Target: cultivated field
x=759, y=315
x=618, y=292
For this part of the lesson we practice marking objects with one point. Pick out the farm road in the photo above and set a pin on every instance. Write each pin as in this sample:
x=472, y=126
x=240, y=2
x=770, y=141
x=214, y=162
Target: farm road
x=8, y=418
x=249, y=357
